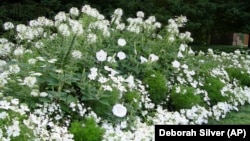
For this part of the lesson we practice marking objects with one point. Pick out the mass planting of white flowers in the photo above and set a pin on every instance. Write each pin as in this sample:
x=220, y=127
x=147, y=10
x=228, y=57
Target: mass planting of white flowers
x=88, y=67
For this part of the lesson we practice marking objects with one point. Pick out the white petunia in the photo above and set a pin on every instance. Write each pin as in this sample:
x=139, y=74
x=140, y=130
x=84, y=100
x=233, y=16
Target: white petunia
x=182, y=47
x=143, y=60
x=101, y=55
x=121, y=42
x=153, y=58
x=176, y=64
x=121, y=55
x=180, y=55
x=119, y=110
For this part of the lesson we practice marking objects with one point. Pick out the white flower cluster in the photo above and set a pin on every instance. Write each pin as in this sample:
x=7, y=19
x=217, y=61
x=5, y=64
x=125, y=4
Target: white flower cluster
x=5, y=47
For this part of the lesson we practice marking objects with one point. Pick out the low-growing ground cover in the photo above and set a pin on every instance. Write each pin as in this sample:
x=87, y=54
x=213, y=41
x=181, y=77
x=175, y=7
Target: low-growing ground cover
x=80, y=77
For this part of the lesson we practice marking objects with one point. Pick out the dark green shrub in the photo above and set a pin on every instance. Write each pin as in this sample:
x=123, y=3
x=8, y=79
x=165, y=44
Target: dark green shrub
x=157, y=88
x=240, y=74
x=213, y=86
x=184, y=99
x=86, y=130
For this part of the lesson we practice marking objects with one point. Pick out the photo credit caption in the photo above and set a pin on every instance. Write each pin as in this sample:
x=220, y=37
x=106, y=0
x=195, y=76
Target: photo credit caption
x=229, y=132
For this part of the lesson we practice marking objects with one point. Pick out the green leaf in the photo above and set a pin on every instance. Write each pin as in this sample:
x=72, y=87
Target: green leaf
x=71, y=99
x=105, y=102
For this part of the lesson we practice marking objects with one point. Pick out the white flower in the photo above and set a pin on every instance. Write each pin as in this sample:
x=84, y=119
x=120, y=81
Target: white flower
x=3, y=115
x=111, y=59
x=64, y=29
x=101, y=55
x=14, y=129
x=121, y=42
x=52, y=61
x=43, y=94
x=32, y=61
x=15, y=101
x=180, y=55
x=143, y=60
x=60, y=17
x=91, y=38
x=118, y=12
x=29, y=81
x=8, y=25
x=19, y=51
x=171, y=39
x=130, y=81
x=2, y=63
x=39, y=44
x=14, y=69
x=21, y=28
x=153, y=58
x=176, y=64
x=121, y=55
x=182, y=47
x=93, y=74
x=119, y=110
x=34, y=92
x=140, y=14
x=76, y=54
x=74, y=11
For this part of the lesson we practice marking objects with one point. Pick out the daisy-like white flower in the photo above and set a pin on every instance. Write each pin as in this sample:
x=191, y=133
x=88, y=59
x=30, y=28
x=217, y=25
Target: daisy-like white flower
x=101, y=55
x=119, y=110
x=121, y=42
x=121, y=55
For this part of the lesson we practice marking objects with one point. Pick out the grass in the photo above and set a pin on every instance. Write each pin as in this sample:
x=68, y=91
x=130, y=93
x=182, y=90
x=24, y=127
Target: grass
x=241, y=117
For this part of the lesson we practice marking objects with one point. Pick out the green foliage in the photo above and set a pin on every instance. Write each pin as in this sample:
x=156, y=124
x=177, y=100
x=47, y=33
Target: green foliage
x=103, y=106
x=184, y=98
x=157, y=86
x=86, y=130
x=239, y=74
x=132, y=98
x=213, y=86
